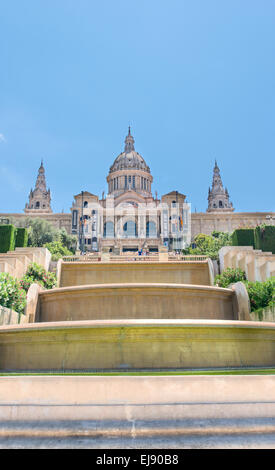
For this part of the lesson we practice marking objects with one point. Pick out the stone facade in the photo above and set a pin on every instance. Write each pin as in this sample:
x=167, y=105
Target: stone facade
x=129, y=218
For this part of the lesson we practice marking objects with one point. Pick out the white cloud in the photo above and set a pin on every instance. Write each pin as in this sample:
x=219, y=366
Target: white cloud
x=2, y=138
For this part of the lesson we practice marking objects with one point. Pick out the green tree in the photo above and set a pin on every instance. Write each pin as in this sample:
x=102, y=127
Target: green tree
x=209, y=245
x=57, y=249
x=68, y=241
x=40, y=231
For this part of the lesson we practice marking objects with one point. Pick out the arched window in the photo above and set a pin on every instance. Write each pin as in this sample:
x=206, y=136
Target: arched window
x=108, y=231
x=37, y=205
x=130, y=229
x=220, y=204
x=151, y=229
x=85, y=204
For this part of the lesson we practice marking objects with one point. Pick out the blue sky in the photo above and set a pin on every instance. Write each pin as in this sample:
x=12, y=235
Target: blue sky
x=194, y=78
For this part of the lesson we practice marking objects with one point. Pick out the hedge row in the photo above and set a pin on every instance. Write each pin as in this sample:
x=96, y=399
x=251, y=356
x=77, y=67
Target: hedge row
x=265, y=238
x=261, y=238
x=243, y=237
x=21, y=237
x=10, y=238
x=7, y=238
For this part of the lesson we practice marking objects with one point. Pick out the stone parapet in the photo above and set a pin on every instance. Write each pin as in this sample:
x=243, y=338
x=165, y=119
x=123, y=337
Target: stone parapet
x=136, y=344
x=136, y=301
x=265, y=314
x=180, y=272
x=205, y=222
x=10, y=317
x=257, y=265
x=16, y=262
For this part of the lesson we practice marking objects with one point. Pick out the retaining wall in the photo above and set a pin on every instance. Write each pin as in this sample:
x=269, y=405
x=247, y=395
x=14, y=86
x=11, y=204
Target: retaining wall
x=179, y=272
x=136, y=344
x=137, y=301
x=257, y=265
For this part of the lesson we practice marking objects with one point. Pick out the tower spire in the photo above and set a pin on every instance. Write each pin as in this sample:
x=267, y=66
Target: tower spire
x=129, y=142
x=40, y=197
x=218, y=197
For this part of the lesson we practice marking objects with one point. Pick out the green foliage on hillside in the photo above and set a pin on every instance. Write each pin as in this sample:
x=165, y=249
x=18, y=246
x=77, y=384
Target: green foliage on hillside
x=229, y=276
x=41, y=233
x=209, y=245
x=37, y=274
x=261, y=294
x=57, y=250
x=12, y=295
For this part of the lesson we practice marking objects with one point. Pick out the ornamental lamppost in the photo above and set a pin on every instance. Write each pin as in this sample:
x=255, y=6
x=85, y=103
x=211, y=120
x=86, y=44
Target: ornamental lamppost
x=81, y=227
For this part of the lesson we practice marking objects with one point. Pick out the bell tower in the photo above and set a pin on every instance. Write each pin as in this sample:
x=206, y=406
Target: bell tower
x=40, y=197
x=218, y=197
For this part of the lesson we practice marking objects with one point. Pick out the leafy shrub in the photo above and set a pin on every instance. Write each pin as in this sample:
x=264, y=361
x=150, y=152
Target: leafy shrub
x=261, y=294
x=12, y=295
x=27, y=281
x=265, y=238
x=57, y=250
x=21, y=238
x=68, y=241
x=243, y=237
x=209, y=245
x=7, y=238
x=36, y=273
x=229, y=276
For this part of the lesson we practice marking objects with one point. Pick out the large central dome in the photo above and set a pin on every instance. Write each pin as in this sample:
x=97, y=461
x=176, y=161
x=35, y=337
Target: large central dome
x=129, y=158
x=129, y=172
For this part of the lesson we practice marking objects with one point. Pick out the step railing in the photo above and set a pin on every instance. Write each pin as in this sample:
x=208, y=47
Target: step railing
x=129, y=258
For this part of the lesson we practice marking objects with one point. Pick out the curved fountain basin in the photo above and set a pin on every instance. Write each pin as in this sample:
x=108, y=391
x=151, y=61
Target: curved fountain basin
x=136, y=344
x=136, y=301
x=175, y=272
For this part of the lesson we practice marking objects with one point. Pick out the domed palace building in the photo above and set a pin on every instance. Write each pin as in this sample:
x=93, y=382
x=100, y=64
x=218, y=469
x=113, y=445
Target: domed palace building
x=129, y=218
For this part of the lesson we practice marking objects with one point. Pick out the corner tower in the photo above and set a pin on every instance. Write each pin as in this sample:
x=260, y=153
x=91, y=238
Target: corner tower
x=218, y=197
x=40, y=197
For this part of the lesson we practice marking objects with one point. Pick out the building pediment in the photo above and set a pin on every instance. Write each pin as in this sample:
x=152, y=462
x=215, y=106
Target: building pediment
x=130, y=197
x=85, y=194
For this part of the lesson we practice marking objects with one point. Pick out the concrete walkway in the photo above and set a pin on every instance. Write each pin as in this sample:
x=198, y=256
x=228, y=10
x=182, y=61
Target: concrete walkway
x=137, y=412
